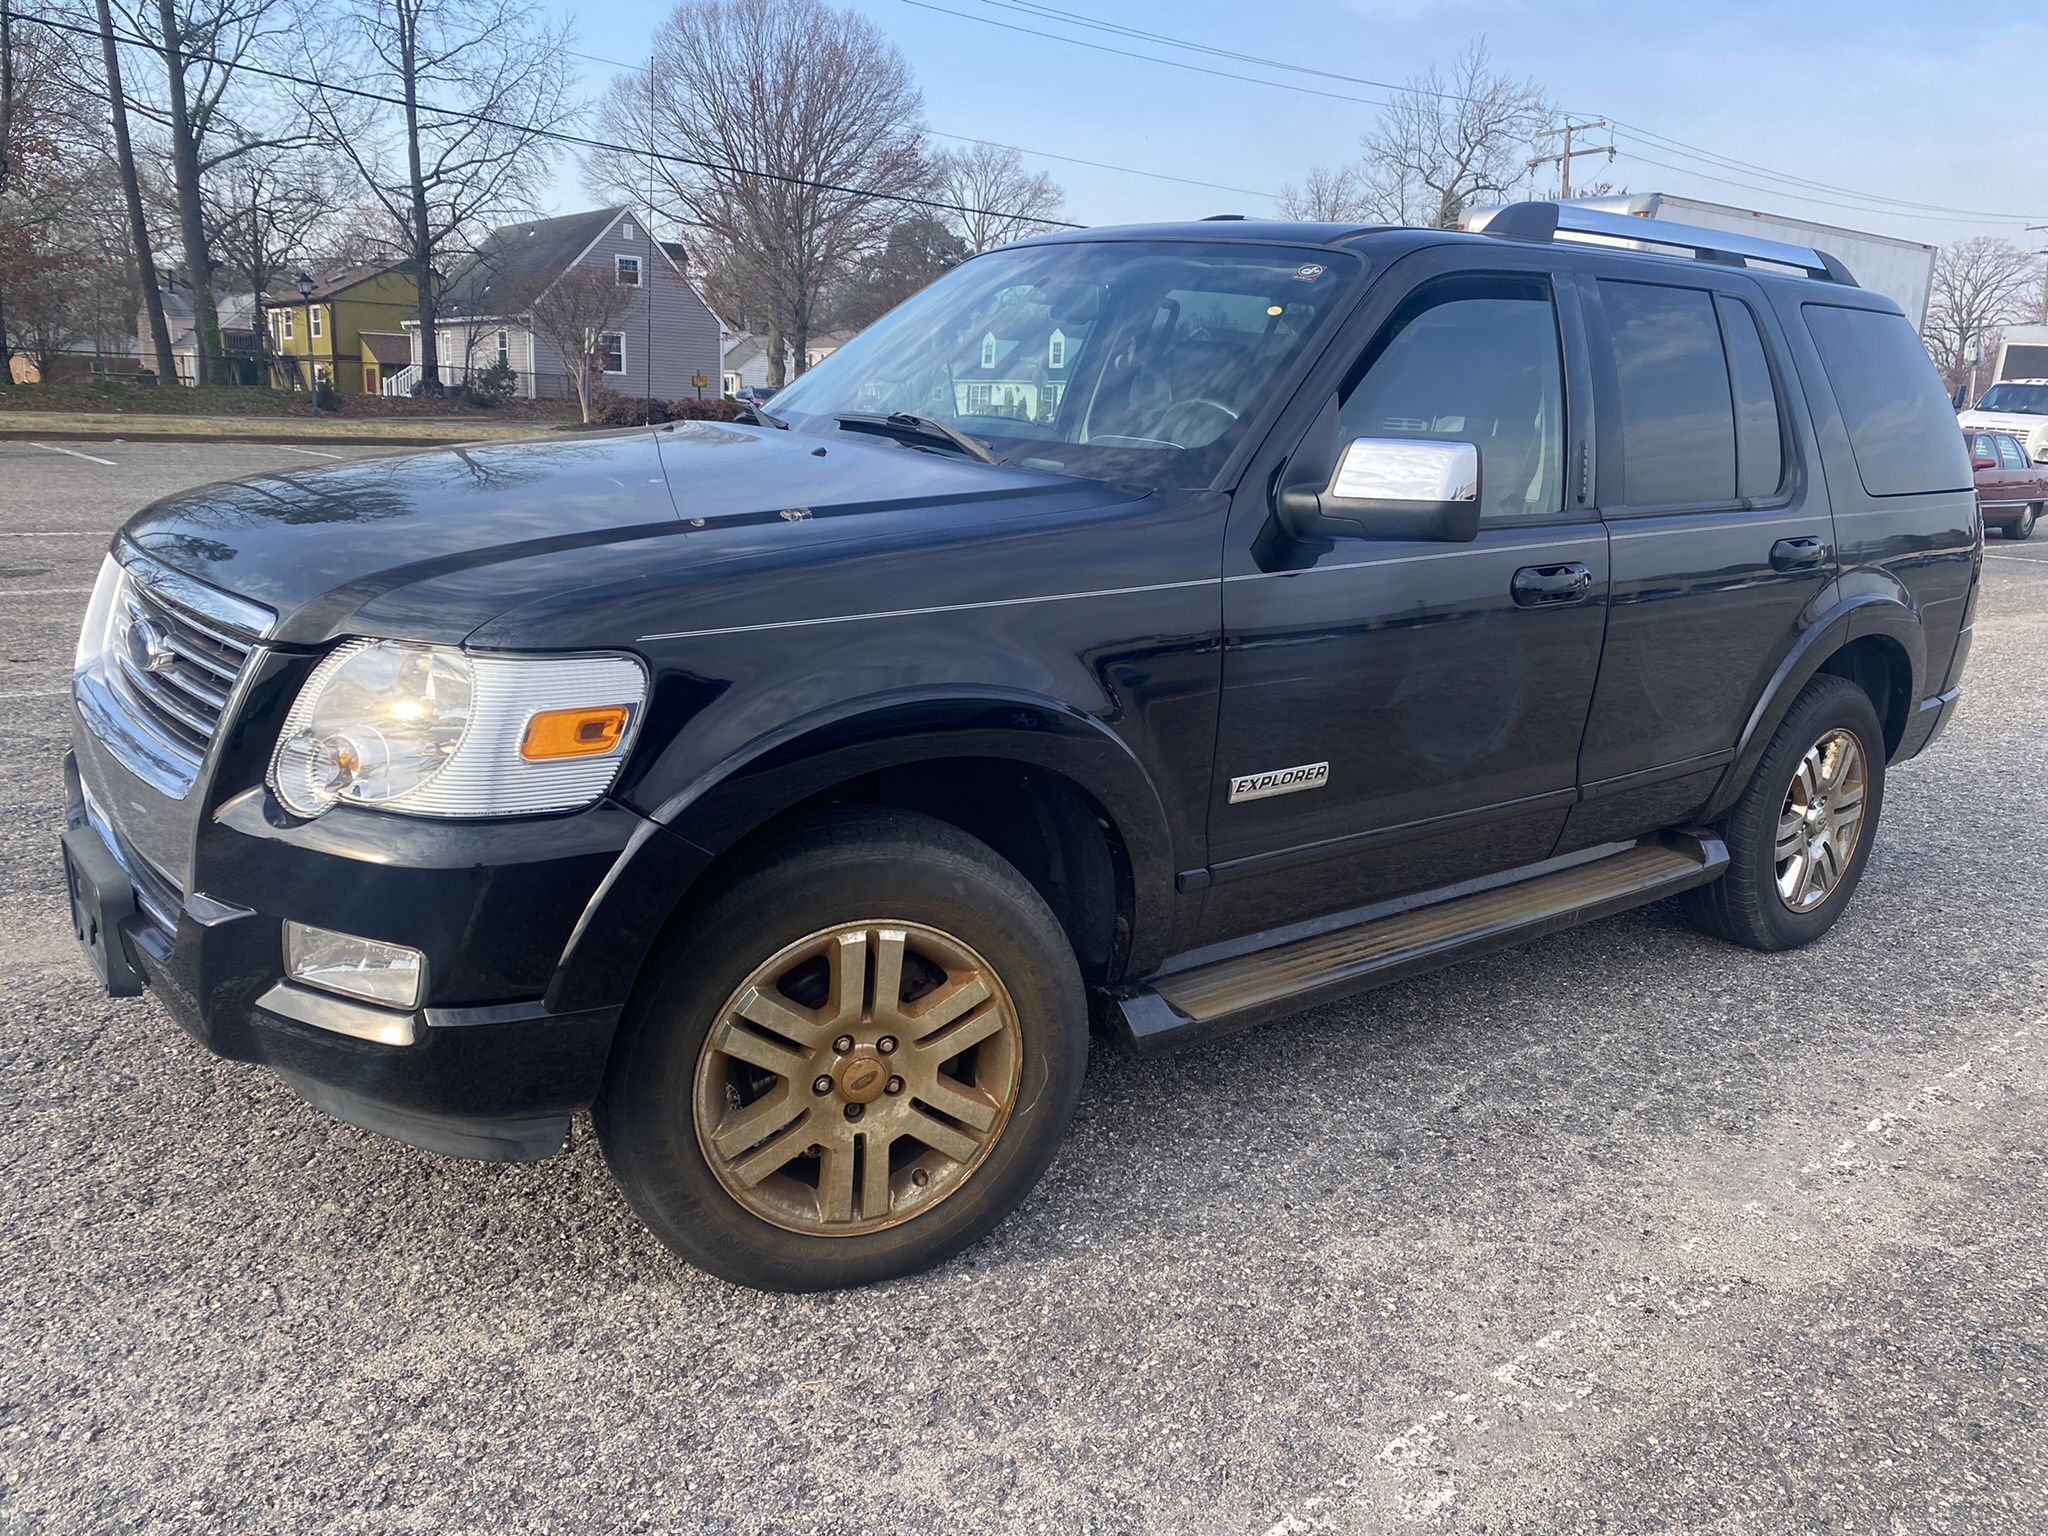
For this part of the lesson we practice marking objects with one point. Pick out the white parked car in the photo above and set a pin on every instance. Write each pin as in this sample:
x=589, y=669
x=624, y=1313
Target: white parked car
x=2018, y=406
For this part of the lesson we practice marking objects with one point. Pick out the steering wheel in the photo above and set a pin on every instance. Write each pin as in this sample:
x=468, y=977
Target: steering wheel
x=1164, y=428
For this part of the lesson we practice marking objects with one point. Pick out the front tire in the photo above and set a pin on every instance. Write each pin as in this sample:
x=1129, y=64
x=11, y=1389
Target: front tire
x=852, y=1062
x=1801, y=833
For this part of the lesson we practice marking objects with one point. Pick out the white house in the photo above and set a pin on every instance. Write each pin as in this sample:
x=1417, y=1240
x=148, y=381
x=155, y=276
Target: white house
x=666, y=339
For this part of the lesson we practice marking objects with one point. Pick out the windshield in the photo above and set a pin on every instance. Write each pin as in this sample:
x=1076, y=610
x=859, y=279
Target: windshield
x=2027, y=399
x=1125, y=360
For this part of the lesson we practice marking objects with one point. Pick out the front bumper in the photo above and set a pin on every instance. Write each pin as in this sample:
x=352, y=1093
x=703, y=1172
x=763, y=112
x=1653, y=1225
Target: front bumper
x=514, y=1033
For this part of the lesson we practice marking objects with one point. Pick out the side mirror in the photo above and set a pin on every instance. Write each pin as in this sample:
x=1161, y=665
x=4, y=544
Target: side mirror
x=1390, y=488
x=1983, y=463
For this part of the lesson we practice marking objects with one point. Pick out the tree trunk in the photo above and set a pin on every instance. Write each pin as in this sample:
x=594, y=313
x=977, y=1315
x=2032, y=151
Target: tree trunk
x=206, y=368
x=777, y=373
x=422, y=232
x=131, y=192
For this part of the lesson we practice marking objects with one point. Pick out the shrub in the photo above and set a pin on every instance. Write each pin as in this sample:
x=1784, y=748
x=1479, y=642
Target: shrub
x=325, y=396
x=720, y=408
x=608, y=408
x=494, y=386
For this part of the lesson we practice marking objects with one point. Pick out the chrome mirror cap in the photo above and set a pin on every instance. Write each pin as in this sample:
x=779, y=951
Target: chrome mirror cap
x=1412, y=469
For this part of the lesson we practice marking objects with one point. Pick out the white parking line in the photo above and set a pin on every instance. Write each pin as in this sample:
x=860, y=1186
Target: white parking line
x=6, y=592
x=57, y=533
x=53, y=448
x=40, y=693
x=309, y=452
x=2023, y=559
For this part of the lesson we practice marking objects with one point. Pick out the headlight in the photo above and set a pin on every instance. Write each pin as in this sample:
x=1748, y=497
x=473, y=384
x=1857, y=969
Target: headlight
x=95, y=633
x=432, y=731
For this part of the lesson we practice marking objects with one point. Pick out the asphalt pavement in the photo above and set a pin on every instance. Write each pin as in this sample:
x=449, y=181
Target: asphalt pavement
x=1623, y=1231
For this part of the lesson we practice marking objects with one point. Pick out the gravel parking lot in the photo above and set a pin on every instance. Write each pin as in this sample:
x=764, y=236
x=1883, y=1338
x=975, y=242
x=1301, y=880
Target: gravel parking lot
x=1625, y=1231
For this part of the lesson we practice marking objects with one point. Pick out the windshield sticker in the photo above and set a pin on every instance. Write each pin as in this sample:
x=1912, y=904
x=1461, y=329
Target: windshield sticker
x=1308, y=272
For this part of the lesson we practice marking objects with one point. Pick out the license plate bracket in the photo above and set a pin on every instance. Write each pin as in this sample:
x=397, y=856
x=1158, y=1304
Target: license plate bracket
x=102, y=899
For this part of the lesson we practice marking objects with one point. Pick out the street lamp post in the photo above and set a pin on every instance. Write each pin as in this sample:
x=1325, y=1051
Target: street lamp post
x=312, y=374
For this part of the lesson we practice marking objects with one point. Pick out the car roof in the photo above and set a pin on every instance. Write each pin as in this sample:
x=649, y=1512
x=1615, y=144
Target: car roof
x=1387, y=241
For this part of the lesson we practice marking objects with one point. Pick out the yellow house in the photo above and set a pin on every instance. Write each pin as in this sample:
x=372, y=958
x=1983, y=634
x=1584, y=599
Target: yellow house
x=328, y=327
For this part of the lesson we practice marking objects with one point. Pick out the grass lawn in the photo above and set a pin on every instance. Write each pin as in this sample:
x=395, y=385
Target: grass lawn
x=224, y=412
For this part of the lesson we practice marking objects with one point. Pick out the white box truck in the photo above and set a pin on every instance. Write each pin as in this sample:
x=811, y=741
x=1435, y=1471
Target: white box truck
x=1901, y=270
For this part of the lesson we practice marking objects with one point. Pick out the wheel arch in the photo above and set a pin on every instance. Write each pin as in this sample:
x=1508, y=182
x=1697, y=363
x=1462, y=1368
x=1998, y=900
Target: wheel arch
x=1051, y=788
x=1875, y=640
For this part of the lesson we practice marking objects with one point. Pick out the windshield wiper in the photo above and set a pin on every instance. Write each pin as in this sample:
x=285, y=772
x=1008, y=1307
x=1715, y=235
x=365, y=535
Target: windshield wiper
x=766, y=419
x=904, y=426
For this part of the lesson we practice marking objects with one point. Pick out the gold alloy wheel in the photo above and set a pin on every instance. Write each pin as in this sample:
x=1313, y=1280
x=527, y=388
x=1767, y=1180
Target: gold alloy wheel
x=857, y=1078
x=1821, y=820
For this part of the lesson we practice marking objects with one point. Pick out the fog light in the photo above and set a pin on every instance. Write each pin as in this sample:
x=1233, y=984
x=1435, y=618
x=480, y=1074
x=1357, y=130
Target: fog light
x=370, y=969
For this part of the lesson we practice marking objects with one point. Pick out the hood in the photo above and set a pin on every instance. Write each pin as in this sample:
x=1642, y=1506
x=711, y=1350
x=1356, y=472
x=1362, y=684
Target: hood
x=432, y=545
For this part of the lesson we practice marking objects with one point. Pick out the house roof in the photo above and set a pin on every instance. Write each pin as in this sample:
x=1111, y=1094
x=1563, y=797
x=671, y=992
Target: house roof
x=391, y=348
x=339, y=279
x=678, y=252
x=743, y=349
x=519, y=260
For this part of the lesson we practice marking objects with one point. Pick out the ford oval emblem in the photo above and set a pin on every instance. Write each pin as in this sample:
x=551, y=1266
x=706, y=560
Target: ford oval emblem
x=149, y=645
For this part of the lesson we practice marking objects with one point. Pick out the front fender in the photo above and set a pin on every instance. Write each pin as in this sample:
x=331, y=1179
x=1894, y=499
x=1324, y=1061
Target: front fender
x=729, y=801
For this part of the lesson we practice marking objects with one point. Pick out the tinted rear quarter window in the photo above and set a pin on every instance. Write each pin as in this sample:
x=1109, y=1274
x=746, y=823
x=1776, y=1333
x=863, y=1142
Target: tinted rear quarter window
x=1759, y=430
x=1901, y=430
x=1678, y=422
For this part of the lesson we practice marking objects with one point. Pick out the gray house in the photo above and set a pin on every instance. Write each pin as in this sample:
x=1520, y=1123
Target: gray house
x=666, y=337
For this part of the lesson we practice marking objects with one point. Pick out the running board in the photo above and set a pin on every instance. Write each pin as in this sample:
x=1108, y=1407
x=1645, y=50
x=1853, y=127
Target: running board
x=1245, y=989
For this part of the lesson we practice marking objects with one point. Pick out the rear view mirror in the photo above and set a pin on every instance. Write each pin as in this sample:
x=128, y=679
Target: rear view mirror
x=1391, y=488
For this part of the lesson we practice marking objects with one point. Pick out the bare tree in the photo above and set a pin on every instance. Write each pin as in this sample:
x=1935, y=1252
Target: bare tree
x=265, y=211
x=1450, y=140
x=783, y=103
x=131, y=194
x=575, y=312
x=1980, y=285
x=482, y=86
x=1328, y=195
x=212, y=110
x=1007, y=202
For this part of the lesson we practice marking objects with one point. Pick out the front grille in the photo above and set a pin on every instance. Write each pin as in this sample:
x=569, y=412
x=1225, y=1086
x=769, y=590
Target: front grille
x=176, y=666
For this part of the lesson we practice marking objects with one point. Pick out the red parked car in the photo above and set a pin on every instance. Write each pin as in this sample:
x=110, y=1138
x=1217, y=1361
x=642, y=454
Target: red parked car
x=2011, y=487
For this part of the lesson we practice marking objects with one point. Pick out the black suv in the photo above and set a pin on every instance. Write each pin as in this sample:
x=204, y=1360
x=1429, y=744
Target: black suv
x=1162, y=627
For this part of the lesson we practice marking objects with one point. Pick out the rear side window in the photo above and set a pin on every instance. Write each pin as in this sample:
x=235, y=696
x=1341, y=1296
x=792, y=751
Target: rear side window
x=1759, y=429
x=1901, y=429
x=2009, y=453
x=1677, y=414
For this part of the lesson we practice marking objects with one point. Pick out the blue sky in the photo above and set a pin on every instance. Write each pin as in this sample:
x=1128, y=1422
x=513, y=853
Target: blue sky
x=1882, y=98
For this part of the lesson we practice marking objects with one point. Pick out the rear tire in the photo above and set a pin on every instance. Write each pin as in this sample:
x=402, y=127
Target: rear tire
x=2022, y=527
x=765, y=1036
x=1788, y=828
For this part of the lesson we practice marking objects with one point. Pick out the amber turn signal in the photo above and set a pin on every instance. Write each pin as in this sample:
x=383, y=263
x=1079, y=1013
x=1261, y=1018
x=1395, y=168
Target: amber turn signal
x=556, y=733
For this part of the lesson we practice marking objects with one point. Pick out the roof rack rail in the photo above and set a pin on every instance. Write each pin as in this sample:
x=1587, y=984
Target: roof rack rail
x=1544, y=222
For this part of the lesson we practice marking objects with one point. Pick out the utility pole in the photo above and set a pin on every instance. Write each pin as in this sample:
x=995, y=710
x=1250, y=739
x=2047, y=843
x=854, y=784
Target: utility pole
x=1563, y=157
x=2042, y=250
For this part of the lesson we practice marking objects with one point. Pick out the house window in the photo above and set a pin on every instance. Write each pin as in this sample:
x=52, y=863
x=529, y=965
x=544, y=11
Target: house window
x=731, y=383
x=504, y=349
x=284, y=325
x=1056, y=350
x=613, y=351
x=977, y=399
x=988, y=350
x=628, y=270
x=315, y=315
x=626, y=229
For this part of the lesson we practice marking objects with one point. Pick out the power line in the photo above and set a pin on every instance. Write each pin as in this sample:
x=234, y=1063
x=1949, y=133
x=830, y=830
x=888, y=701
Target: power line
x=1150, y=58
x=1039, y=154
x=1870, y=202
x=555, y=134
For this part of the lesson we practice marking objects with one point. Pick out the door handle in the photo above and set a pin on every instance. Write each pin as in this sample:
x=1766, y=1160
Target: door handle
x=1797, y=554
x=1541, y=586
